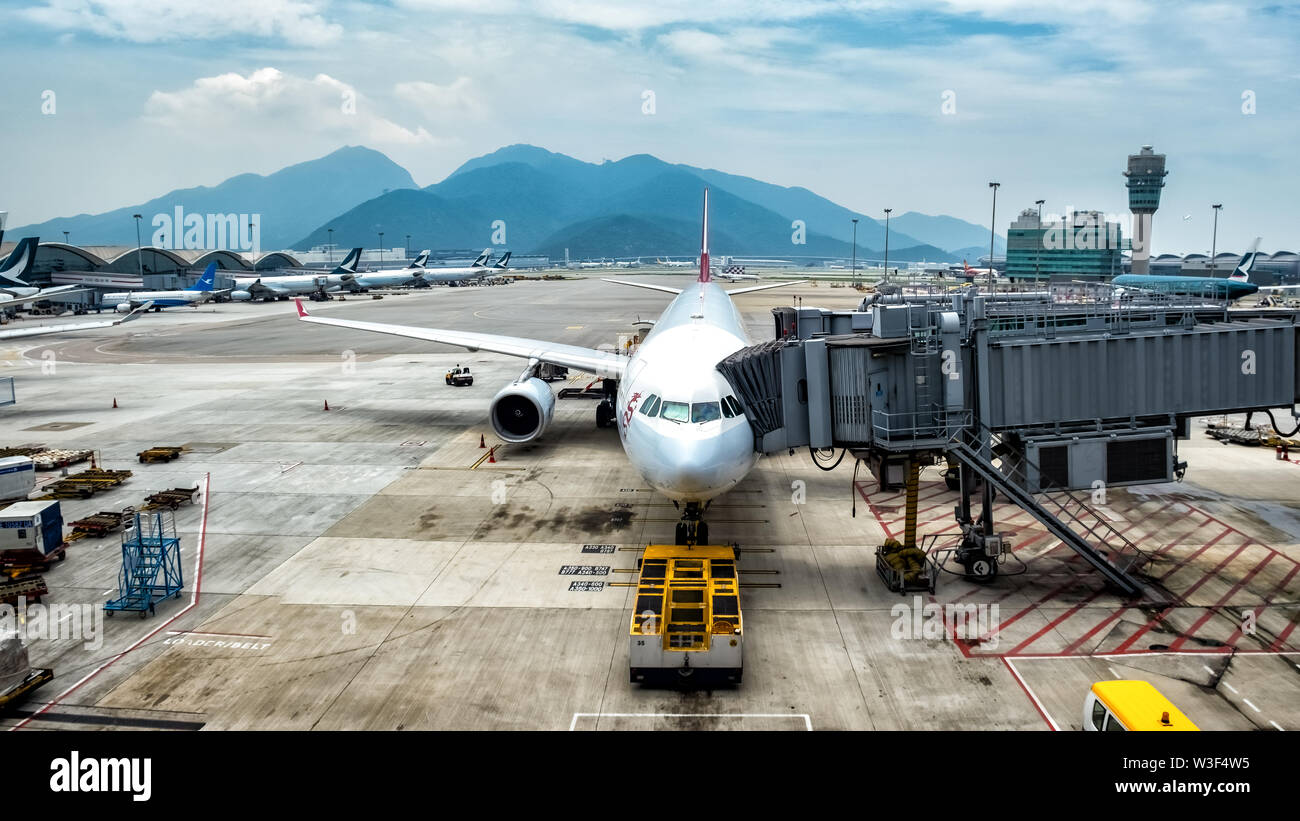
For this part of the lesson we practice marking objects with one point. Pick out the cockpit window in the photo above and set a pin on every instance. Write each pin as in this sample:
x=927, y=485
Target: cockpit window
x=735, y=405
x=705, y=412
x=726, y=407
x=676, y=411
x=650, y=406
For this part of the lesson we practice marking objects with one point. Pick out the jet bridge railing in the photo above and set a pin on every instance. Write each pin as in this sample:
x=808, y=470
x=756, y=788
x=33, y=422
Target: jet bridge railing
x=914, y=430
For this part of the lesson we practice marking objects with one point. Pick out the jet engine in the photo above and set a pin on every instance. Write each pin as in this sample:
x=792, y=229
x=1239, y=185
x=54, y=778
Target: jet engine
x=123, y=308
x=522, y=410
x=240, y=296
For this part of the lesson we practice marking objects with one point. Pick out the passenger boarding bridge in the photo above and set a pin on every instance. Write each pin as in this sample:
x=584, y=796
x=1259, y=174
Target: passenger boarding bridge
x=1032, y=395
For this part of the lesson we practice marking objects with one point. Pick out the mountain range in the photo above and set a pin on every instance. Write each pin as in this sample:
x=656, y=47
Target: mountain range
x=537, y=201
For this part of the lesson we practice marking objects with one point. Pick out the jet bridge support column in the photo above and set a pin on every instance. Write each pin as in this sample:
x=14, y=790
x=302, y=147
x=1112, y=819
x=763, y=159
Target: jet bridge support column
x=980, y=547
x=913, y=491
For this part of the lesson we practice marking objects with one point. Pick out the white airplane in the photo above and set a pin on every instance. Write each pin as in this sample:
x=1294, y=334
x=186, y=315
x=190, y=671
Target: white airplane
x=677, y=417
x=125, y=301
x=14, y=290
x=735, y=273
x=670, y=263
x=478, y=270
x=283, y=287
x=41, y=330
x=394, y=278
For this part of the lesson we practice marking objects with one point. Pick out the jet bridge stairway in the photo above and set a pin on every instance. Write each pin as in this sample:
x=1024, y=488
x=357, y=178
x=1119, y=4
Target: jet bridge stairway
x=1065, y=515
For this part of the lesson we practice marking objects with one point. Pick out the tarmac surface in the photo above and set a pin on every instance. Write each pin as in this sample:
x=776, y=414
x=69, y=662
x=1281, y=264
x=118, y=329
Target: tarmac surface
x=366, y=568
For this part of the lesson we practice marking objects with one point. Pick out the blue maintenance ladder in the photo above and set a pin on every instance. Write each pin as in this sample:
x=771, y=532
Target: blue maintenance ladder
x=151, y=564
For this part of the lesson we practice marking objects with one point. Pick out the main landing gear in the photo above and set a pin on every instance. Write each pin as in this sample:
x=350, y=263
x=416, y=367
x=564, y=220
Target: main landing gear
x=605, y=413
x=692, y=529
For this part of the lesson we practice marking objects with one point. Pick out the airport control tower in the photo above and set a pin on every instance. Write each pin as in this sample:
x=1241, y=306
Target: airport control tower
x=1146, y=176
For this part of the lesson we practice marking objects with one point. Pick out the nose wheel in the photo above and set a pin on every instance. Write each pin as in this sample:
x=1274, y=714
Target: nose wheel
x=692, y=529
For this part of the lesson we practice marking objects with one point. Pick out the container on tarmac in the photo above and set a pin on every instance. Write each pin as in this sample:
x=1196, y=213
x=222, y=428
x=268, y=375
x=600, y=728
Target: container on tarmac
x=17, y=477
x=687, y=623
x=28, y=526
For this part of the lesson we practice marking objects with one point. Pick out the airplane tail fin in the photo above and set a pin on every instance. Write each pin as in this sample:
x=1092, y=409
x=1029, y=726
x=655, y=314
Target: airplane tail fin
x=483, y=258
x=705, y=276
x=19, y=263
x=503, y=262
x=349, y=263
x=1242, y=272
x=206, y=281
x=965, y=266
x=421, y=260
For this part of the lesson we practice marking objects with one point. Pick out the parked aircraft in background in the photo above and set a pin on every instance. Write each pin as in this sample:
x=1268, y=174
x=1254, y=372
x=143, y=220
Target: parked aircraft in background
x=1234, y=286
x=271, y=288
x=14, y=289
x=671, y=263
x=478, y=270
x=202, y=291
x=393, y=278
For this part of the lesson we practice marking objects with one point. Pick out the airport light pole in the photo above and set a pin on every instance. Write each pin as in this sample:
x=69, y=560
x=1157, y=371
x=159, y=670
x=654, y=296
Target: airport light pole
x=381, y=249
x=855, y=252
x=65, y=237
x=329, y=250
x=139, y=255
x=1038, y=253
x=408, y=246
x=887, y=212
x=1214, y=237
x=250, y=234
x=993, y=231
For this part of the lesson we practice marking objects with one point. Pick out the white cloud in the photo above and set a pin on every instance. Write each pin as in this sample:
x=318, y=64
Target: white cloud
x=456, y=99
x=271, y=101
x=297, y=22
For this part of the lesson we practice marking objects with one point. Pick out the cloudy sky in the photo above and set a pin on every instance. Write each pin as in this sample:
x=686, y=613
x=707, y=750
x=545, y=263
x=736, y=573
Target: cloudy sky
x=908, y=104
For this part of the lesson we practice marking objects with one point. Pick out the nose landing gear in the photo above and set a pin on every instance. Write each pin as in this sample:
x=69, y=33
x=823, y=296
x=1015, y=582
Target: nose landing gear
x=692, y=529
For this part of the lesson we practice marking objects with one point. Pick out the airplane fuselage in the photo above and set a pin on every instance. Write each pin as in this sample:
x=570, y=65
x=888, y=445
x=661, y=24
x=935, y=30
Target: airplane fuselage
x=1218, y=287
x=693, y=448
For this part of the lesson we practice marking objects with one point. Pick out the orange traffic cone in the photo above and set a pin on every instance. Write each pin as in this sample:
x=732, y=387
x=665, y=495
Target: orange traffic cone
x=481, y=443
x=492, y=456
x=327, y=404
x=115, y=401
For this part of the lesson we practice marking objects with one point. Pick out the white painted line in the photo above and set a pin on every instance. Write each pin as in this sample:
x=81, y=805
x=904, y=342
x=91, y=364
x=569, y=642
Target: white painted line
x=1207, y=669
x=1230, y=687
x=1275, y=724
x=1252, y=706
x=107, y=592
x=807, y=719
x=1112, y=672
x=1033, y=697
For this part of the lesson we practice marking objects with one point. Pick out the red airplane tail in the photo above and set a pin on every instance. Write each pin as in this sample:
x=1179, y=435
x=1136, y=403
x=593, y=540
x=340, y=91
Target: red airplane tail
x=704, y=242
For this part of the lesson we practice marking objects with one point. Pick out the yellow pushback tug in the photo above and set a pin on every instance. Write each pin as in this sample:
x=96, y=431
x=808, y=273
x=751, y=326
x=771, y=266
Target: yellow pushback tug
x=687, y=616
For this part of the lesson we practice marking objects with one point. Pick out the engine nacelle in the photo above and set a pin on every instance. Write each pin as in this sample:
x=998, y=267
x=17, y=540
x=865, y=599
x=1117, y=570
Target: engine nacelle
x=123, y=308
x=240, y=296
x=522, y=410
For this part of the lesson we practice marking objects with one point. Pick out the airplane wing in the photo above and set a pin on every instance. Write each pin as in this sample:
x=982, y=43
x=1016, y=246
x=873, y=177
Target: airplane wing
x=42, y=330
x=569, y=356
x=735, y=291
x=665, y=288
x=62, y=290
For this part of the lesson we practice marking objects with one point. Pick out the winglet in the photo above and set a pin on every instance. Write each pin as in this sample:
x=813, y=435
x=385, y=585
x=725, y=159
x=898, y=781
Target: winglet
x=704, y=241
x=301, y=310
